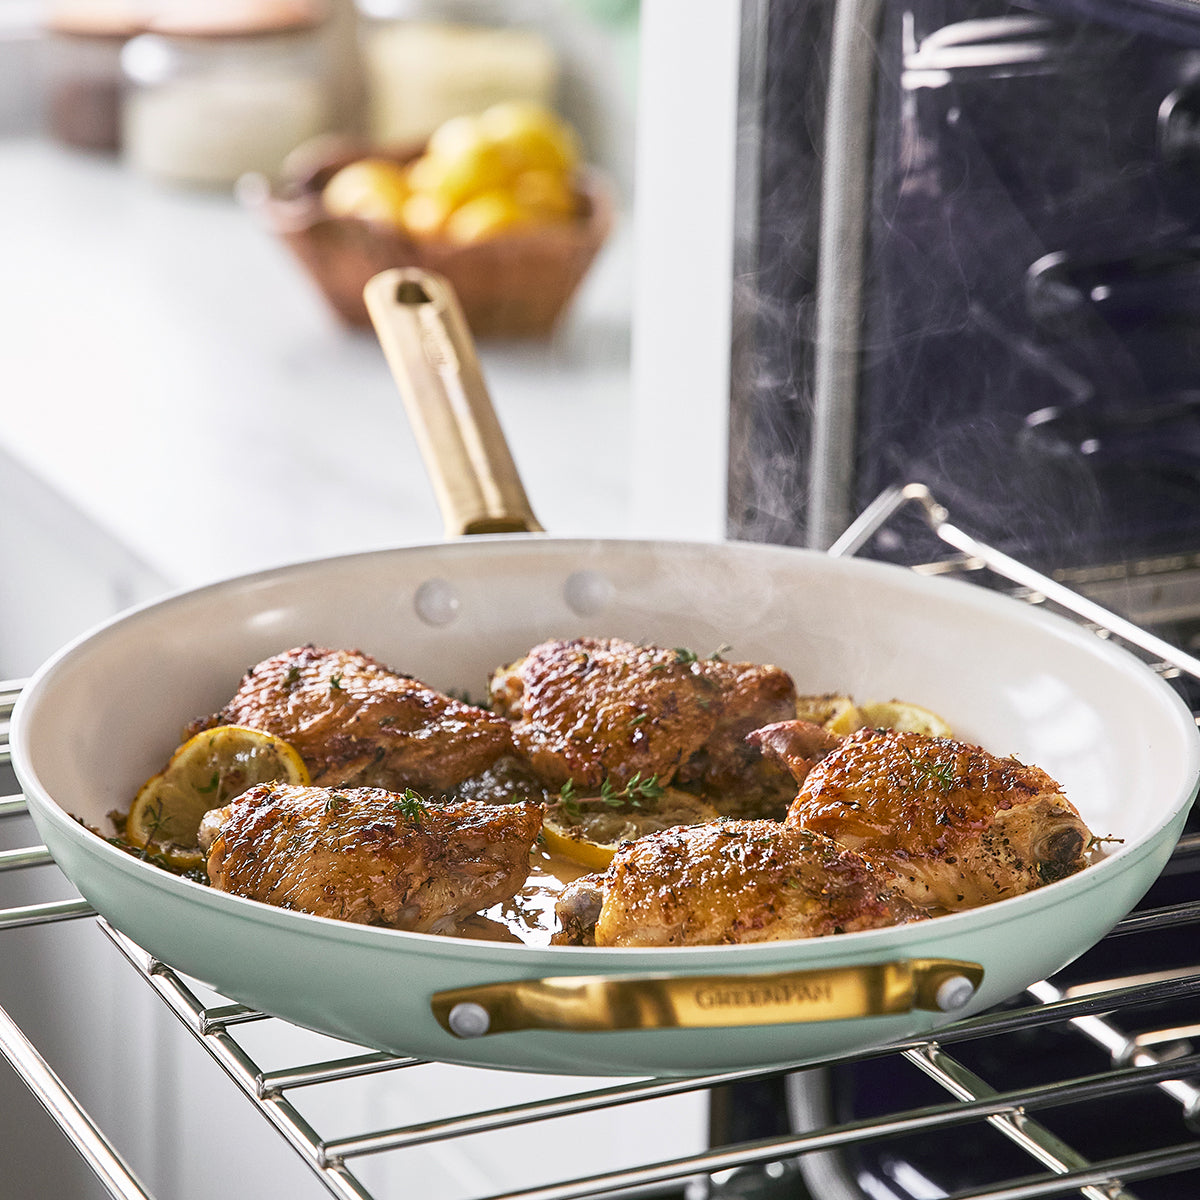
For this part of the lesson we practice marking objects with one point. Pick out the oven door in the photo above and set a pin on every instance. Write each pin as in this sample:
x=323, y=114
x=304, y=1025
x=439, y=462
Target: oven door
x=946, y=242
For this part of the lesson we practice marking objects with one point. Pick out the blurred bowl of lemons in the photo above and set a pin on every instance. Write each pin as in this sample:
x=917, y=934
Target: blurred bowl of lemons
x=499, y=202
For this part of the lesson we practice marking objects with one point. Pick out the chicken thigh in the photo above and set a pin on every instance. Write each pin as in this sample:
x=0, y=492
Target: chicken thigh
x=729, y=881
x=368, y=855
x=605, y=711
x=355, y=723
x=957, y=827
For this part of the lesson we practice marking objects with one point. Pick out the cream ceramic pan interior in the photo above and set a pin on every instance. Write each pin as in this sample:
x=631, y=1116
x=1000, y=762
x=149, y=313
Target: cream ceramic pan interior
x=104, y=714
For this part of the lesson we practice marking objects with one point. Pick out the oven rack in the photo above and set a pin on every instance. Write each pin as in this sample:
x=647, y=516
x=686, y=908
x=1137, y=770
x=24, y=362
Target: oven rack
x=1120, y=1016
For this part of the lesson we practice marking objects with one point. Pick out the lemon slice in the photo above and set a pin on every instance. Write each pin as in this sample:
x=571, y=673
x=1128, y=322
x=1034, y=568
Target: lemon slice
x=838, y=714
x=904, y=717
x=592, y=831
x=206, y=772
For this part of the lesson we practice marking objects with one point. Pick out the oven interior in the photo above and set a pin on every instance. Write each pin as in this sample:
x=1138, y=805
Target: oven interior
x=969, y=248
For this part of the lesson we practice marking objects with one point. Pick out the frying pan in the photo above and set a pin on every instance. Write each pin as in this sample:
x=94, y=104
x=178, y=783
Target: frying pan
x=103, y=714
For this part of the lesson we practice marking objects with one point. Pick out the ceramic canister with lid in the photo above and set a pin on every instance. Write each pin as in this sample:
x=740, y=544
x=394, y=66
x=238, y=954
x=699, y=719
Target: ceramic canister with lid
x=83, y=69
x=425, y=61
x=225, y=87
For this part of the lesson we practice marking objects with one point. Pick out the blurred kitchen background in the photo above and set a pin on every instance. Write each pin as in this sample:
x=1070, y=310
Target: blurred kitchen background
x=181, y=400
x=169, y=363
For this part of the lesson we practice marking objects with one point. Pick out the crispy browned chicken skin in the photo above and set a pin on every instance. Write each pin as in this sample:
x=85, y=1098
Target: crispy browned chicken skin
x=358, y=724
x=370, y=856
x=959, y=827
x=592, y=710
x=731, y=881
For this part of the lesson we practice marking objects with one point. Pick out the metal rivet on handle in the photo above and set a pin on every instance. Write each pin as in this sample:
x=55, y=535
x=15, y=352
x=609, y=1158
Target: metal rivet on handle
x=953, y=992
x=588, y=593
x=436, y=602
x=469, y=1020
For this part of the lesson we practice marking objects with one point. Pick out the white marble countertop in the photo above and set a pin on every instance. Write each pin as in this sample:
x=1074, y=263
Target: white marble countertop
x=170, y=372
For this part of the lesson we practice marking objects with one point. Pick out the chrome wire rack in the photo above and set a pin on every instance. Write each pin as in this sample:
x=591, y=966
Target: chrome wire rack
x=1133, y=1022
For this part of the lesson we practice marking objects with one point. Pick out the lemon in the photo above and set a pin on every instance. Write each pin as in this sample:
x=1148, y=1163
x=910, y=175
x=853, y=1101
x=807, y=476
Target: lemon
x=485, y=216
x=590, y=831
x=838, y=714
x=372, y=189
x=460, y=162
x=904, y=717
x=456, y=138
x=545, y=194
x=530, y=136
x=422, y=174
x=206, y=772
x=424, y=214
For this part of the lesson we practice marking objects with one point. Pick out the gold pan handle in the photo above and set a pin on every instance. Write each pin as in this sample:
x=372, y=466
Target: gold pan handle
x=595, y=1003
x=429, y=349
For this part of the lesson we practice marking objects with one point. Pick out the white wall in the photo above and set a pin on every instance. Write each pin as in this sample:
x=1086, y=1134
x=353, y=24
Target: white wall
x=684, y=214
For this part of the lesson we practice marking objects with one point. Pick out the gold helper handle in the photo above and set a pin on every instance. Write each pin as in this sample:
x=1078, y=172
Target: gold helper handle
x=429, y=349
x=596, y=1003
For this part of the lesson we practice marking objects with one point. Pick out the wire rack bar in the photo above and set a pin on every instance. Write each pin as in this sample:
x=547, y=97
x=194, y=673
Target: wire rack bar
x=84, y=1133
x=239, y=1066
x=270, y=1083
x=1014, y=1124
x=890, y=501
x=31, y=856
x=13, y=806
x=1007, y=1111
x=45, y=914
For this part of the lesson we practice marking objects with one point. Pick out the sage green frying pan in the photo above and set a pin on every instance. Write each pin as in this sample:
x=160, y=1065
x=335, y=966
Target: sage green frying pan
x=103, y=714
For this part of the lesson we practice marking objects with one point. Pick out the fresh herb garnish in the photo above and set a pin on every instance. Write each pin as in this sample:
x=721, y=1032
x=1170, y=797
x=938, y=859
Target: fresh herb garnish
x=634, y=792
x=568, y=798
x=410, y=806
x=941, y=773
x=335, y=683
x=153, y=825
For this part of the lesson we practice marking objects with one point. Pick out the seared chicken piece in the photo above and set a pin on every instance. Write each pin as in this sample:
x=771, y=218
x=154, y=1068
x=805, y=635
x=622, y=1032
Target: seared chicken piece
x=357, y=724
x=730, y=881
x=957, y=826
x=370, y=856
x=798, y=745
x=577, y=909
x=596, y=710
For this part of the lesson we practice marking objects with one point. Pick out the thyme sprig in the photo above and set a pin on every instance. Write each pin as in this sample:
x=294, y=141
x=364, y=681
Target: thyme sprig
x=686, y=657
x=154, y=821
x=410, y=805
x=634, y=793
x=941, y=773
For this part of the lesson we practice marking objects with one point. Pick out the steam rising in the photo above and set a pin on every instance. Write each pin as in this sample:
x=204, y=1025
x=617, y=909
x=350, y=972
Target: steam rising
x=1028, y=339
